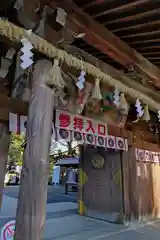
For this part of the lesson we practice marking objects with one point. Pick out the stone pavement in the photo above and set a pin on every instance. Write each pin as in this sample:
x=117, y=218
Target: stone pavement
x=63, y=223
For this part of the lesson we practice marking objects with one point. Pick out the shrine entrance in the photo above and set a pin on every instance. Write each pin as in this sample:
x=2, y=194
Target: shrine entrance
x=102, y=192
x=100, y=175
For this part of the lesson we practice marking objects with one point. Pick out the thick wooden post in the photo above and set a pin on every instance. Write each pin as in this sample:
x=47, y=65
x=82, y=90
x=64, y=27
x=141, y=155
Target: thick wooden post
x=4, y=146
x=34, y=180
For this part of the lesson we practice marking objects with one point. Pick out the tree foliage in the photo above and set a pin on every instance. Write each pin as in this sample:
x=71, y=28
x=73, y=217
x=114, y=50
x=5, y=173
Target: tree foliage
x=16, y=149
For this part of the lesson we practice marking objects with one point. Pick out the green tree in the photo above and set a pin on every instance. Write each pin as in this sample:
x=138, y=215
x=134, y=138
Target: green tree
x=16, y=149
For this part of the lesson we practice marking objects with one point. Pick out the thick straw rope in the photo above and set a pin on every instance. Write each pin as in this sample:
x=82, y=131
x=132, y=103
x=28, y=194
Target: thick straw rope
x=15, y=34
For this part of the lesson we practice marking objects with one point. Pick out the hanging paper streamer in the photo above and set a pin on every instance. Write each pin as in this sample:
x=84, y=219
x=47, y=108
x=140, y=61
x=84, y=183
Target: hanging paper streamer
x=19, y=5
x=61, y=17
x=17, y=123
x=81, y=99
x=5, y=64
x=55, y=76
x=146, y=115
x=10, y=53
x=81, y=80
x=116, y=97
x=23, y=124
x=139, y=109
x=123, y=105
x=40, y=30
x=27, y=54
x=13, y=123
x=96, y=93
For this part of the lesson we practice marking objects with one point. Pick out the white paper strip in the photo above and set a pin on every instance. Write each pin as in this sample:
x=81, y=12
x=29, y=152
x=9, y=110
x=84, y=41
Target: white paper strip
x=13, y=122
x=10, y=53
x=23, y=124
x=61, y=16
x=27, y=54
x=5, y=64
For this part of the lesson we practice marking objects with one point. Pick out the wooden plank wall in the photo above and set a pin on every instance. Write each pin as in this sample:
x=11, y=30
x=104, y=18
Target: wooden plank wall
x=141, y=183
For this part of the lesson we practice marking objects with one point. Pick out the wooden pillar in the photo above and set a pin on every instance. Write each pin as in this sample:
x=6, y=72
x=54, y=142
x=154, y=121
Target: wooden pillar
x=4, y=146
x=30, y=217
x=125, y=185
x=129, y=174
x=81, y=204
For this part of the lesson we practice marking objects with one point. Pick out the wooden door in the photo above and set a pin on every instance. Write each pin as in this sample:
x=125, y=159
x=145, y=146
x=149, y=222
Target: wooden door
x=102, y=192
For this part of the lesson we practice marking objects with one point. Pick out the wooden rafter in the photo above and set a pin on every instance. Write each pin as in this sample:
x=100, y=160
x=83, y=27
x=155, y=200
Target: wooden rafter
x=122, y=8
x=151, y=54
x=144, y=34
x=105, y=41
x=147, y=48
x=133, y=17
x=112, y=71
x=93, y=3
x=137, y=26
x=155, y=40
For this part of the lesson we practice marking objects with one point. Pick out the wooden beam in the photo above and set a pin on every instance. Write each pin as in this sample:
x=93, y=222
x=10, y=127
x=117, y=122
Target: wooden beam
x=134, y=17
x=138, y=26
x=147, y=48
x=122, y=8
x=13, y=105
x=144, y=34
x=154, y=40
x=151, y=53
x=94, y=3
x=102, y=39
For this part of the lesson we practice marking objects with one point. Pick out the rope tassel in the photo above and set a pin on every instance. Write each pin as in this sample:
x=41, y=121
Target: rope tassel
x=96, y=92
x=123, y=105
x=55, y=76
x=146, y=115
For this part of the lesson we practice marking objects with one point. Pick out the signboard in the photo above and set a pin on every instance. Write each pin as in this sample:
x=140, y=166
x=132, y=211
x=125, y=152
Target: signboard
x=147, y=156
x=72, y=127
x=73, y=122
x=8, y=230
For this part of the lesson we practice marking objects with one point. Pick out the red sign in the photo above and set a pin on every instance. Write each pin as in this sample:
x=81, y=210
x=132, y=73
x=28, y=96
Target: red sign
x=73, y=122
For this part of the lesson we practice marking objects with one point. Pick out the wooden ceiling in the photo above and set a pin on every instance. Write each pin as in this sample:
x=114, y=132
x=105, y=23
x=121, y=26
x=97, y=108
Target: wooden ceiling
x=137, y=22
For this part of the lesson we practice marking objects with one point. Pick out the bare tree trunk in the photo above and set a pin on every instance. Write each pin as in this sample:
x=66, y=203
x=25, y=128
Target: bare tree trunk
x=4, y=146
x=34, y=180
